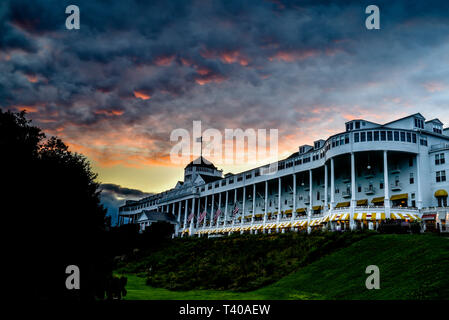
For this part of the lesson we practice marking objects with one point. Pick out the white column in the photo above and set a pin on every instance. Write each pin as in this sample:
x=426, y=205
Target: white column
x=254, y=204
x=179, y=215
x=279, y=204
x=332, y=185
x=353, y=201
x=219, y=207
x=198, y=213
x=226, y=211
x=418, y=182
x=185, y=215
x=325, y=188
x=235, y=202
x=243, y=204
x=386, y=187
x=309, y=215
x=294, y=197
x=193, y=208
x=212, y=210
x=174, y=215
x=205, y=209
x=266, y=204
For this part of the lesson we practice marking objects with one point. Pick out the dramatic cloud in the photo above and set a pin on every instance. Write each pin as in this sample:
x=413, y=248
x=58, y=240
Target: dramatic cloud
x=136, y=70
x=114, y=196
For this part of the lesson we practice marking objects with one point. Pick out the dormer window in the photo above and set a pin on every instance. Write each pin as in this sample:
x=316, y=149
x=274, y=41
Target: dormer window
x=357, y=124
x=419, y=123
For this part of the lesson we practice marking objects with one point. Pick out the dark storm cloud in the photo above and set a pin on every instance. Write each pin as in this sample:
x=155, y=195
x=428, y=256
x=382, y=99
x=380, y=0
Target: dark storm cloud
x=113, y=196
x=144, y=68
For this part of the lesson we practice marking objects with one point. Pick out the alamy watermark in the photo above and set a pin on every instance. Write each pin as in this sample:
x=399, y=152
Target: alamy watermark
x=234, y=146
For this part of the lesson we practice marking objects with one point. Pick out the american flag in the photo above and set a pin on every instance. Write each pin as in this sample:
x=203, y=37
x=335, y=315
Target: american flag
x=235, y=211
x=202, y=216
x=217, y=214
x=190, y=217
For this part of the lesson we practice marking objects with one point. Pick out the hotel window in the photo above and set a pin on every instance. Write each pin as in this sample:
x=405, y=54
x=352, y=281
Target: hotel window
x=402, y=136
x=396, y=136
x=337, y=142
x=412, y=179
x=346, y=138
x=357, y=125
x=423, y=142
x=359, y=189
x=342, y=140
x=223, y=183
x=248, y=176
x=240, y=178
x=414, y=137
x=381, y=185
x=383, y=135
x=362, y=136
x=409, y=137
x=439, y=159
x=356, y=137
x=441, y=176
x=410, y=161
x=209, y=187
x=231, y=181
x=318, y=195
x=369, y=136
x=376, y=135
x=337, y=190
x=333, y=143
x=389, y=136
x=257, y=173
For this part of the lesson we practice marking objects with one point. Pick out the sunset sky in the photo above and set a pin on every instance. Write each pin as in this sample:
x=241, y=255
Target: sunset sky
x=136, y=70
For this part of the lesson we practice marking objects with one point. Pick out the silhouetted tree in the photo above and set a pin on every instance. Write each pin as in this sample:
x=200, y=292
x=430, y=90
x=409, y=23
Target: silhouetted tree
x=54, y=210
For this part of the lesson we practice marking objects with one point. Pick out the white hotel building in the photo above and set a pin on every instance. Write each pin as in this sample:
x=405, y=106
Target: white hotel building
x=366, y=175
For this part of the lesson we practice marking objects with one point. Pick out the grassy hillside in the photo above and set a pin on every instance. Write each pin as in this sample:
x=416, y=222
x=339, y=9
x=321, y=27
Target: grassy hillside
x=411, y=267
x=238, y=263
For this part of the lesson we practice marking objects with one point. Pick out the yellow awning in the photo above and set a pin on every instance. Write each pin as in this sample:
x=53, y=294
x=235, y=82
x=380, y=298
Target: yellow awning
x=316, y=207
x=300, y=210
x=378, y=200
x=259, y=215
x=441, y=193
x=399, y=196
x=343, y=204
x=363, y=202
x=288, y=211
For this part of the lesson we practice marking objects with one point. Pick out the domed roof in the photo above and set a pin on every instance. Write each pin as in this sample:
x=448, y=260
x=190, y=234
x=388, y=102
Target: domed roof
x=201, y=162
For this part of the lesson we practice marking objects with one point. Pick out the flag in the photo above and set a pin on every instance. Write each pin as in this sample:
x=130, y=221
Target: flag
x=217, y=214
x=202, y=216
x=190, y=217
x=235, y=211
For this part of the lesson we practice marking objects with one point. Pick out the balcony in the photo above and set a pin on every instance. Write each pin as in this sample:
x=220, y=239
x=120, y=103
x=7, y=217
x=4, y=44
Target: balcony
x=346, y=194
x=370, y=190
x=369, y=174
x=397, y=186
x=395, y=170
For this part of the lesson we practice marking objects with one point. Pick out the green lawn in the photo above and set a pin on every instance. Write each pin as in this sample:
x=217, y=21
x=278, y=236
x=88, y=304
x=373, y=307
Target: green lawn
x=411, y=267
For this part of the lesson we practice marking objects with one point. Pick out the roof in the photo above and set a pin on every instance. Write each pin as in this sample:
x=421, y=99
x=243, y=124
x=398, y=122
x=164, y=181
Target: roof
x=159, y=216
x=412, y=115
x=435, y=120
x=201, y=162
x=208, y=179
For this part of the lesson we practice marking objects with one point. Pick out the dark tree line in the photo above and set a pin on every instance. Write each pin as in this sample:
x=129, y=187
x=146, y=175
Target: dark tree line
x=51, y=206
